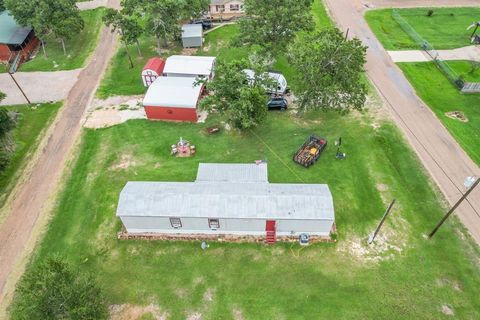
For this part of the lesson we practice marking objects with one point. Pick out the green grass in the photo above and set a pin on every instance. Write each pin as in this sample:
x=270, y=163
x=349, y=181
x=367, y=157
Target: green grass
x=435, y=89
x=79, y=47
x=446, y=29
x=27, y=134
x=282, y=281
x=320, y=16
x=322, y=281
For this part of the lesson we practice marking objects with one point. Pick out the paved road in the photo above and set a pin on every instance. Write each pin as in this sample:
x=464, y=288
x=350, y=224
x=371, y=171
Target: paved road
x=471, y=53
x=27, y=209
x=418, y=3
x=441, y=155
x=38, y=86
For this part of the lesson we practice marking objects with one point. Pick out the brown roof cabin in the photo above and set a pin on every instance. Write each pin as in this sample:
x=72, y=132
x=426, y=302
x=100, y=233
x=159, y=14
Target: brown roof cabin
x=17, y=43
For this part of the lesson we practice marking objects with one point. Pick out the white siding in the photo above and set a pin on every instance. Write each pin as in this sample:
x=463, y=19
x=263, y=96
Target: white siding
x=227, y=226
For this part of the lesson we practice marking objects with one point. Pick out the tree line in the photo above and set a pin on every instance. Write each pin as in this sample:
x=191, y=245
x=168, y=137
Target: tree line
x=328, y=66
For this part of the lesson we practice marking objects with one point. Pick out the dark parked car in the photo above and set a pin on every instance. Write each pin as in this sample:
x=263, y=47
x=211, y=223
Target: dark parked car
x=277, y=103
x=206, y=24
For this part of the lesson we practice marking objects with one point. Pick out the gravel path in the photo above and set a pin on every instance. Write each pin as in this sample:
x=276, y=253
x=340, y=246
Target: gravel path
x=38, y=86
x=471, y=53
x=29, y=206
x=438, y=151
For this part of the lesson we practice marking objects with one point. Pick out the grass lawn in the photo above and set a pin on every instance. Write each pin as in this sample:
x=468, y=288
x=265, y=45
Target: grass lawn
x=79, y=47
x=404, y=276
x=446, y=29
x=282, y=281
x=442, y=97
x=320, y=16
x=26, y=134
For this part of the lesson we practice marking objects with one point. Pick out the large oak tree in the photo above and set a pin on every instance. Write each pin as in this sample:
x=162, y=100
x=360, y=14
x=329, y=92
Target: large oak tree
x=242, y=100
x=330, y=69
x=274, y=23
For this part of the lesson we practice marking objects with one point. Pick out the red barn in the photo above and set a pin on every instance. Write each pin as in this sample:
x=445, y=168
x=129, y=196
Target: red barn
x=16, y=42
x=152, y=70
x=173, y=98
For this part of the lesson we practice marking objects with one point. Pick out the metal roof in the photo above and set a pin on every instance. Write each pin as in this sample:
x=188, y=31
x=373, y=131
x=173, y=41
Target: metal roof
x=194, y=65
x=192, y=31
x=176, y=92
x=10, y=31
x=216, y=199
x=235, y=172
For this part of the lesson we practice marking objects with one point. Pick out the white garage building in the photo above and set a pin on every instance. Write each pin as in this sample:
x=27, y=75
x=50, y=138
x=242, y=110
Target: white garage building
x=228, y=199
x=189, y=66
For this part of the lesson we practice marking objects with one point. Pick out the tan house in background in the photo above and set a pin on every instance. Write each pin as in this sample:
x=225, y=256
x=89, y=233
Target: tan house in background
x=225, y=9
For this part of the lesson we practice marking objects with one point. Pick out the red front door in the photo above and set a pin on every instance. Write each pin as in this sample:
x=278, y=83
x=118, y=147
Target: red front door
x=270, y=225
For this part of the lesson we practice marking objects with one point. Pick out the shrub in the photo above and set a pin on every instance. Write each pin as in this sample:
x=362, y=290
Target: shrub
x=430, y=13
x=55, y=290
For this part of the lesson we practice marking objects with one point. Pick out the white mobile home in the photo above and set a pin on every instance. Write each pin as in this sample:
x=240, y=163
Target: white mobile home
x=228, y=199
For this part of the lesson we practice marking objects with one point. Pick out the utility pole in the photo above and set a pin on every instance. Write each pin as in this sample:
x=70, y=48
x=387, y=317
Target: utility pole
x=470, y=189
x=374, y=234
x=19, y=88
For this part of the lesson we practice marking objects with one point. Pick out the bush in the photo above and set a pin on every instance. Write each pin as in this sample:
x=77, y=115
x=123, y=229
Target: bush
x=55, y=290
x=430, y=13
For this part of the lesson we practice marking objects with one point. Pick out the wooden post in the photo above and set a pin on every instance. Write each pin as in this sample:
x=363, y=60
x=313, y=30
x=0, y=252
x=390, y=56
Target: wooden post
x=26, y=98
x=453, y=208
x=374, y=234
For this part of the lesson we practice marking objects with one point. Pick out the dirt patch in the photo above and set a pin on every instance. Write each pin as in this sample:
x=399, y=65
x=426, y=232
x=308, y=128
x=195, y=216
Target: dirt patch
x=208, y=295
x=382, y=187
x=126, y=161
x=157, y=165
x=388, y=243
x=446, y=282
x=189, y=51
x=194, y=316
x=113, y=111
x=181, y=293
x=447, y=310
x=457, y=115
x=198, y=280
x=134, y=312
x=237, y=314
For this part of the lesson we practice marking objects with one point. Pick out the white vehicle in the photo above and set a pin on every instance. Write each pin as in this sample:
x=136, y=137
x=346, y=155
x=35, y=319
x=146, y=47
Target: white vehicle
x=276, y=76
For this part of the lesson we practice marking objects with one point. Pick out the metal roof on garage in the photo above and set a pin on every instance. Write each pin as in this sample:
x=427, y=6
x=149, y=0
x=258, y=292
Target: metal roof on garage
x=189, y=65
x=232, y=172
x=192, y=31
x=10, y=31
x=175, y=92
x=217, y=199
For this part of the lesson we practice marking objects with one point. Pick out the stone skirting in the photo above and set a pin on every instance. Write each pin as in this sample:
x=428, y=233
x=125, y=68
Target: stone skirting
x=123, y=235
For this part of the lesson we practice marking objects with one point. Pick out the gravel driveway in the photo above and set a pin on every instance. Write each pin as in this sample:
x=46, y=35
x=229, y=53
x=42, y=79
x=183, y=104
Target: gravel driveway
x=38, y=86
